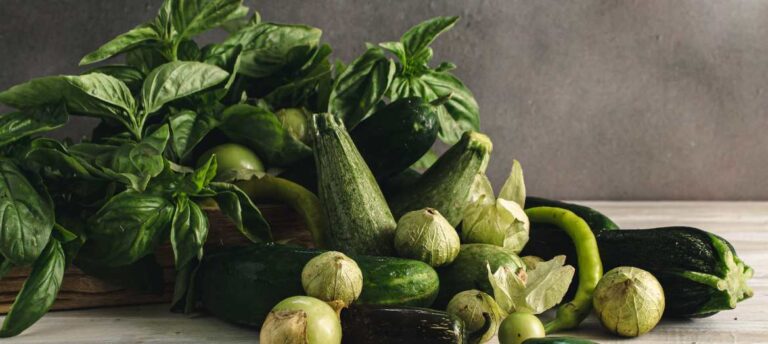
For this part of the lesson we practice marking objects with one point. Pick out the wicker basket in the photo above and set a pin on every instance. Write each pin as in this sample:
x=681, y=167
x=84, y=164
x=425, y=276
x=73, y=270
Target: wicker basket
x=79, y=290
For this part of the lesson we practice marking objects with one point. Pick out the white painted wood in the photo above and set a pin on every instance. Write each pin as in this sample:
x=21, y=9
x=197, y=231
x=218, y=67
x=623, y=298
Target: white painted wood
x=744, y=224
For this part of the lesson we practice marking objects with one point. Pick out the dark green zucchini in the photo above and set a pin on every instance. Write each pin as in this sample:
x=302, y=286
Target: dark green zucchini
x=242, y=284
x=558, y=340
x=359, y=218
x=445, y=186
x=396, y=136
x=390, y=141
x=469, y=271
x=699, y=271
x=386, y=325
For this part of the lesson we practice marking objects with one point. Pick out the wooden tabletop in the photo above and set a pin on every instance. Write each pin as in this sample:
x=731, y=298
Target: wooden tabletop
x=744, y=224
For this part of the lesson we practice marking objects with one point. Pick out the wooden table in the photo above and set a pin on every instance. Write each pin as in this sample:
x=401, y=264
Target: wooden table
x=744, y=224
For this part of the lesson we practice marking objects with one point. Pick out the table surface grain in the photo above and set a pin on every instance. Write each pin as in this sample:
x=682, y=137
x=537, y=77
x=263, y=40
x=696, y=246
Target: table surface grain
x=744, y=224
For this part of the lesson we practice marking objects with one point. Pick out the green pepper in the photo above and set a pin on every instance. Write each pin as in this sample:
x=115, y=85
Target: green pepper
x=303, y=201
x=571, y=314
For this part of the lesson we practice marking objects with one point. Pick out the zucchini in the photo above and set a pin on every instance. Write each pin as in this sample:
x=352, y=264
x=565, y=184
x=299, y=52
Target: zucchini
x=359, y=218
x=396, y=136
x=386, y=325
x=445, y=186
x=699, y=271
x=242, y=284
x=469, y=269
x=558, y=340
x=390, y=140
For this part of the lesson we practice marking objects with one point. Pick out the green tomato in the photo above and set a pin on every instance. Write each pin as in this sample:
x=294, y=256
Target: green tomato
x=234, y=162
x=301, y=319
x=518, y=327
x=294, y=120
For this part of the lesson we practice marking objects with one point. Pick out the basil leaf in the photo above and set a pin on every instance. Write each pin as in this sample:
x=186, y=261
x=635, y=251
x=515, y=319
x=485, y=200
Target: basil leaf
x=145, y=58
x=419, y=37
x=362, y=84
x=203, y=175
x=131, y=76
x=128, y=227
x=176, y=80
x=188, y=128
x=136, y=164
x=93, y=94
x=234, y=203
x=38, y=292
x=52, y=154
x=192, y=17
x=26, y=214
x=260, y=130
x=189, y=230
x=17, y=125
x=184, y=290
x=122, y=43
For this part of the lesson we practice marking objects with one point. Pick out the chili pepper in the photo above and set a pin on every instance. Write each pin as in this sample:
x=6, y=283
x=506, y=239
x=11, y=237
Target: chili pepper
x=571, y=314
x=303, y=201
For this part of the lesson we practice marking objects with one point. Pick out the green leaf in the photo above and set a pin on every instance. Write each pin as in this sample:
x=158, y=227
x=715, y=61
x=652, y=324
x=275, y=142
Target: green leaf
x=514, y=187
x=534, y=291
x=122, y=43
x=192, y=17
x=419, y=37
x=131, y=76
x=362, y=84
x=396, y=48
x=26, y=215
x=38, y=292
x=17, y=125
x=260, y=130
x=176, y=80
x=189, y=231
x=135, y=164
x=188, y=128
x=234, y=203
x=128, y=227
x=55, y=156
x=93, y=94
x=201, y=177
x=145, y=58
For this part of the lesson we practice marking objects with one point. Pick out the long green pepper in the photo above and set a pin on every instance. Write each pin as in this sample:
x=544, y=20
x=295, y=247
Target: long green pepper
x=571, y=314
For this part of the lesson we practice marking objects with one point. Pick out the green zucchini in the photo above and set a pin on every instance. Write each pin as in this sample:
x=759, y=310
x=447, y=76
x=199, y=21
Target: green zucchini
x=445, y=186
x=595, y=219
x=699, y=271
x=558, y=340
x=242, y=284
x=407, y=325
x=390, y=140
x=359, y=218
x=397, y=135
x=469, y=269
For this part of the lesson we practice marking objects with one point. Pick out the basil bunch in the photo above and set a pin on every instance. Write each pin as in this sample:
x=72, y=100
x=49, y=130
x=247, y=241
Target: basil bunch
x=105, y=204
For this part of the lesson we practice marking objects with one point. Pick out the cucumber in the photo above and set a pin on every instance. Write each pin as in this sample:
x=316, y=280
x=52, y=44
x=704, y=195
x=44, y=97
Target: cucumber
x=558, y=340
x=359, y=218
x=390, y=140
x=396, y=136
x=699, y=271
x=469, y=271
x=405, y=325
x=445, y=186
x=242, y=284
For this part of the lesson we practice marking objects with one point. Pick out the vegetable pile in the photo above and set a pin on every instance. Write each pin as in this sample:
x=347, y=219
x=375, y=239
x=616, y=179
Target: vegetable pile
x=266, y=116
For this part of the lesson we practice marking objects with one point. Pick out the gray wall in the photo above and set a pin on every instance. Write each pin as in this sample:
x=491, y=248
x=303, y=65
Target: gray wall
x=597, y=99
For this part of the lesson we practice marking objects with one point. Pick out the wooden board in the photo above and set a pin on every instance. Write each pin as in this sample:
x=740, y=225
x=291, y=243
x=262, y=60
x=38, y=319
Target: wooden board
x=744, y=224
x=79, y=290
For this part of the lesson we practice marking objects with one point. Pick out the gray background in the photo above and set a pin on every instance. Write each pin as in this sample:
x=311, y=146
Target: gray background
x=597, y=99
